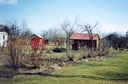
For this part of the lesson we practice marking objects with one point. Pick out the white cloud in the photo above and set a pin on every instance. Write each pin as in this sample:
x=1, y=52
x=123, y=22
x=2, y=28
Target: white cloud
x=122, y=30
x=8, y=2
x=110, y=28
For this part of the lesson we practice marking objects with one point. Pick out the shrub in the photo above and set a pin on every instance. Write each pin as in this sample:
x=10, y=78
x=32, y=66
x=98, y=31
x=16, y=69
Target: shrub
x=70, y=55
x=59, y=50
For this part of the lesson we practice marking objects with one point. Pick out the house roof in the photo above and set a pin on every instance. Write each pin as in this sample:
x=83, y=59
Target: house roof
x=78, y=36
x=110, y=36
x=2, y=26
x=37, y=35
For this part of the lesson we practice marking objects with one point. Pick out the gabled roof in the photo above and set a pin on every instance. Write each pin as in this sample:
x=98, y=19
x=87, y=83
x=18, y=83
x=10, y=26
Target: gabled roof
x=2, y=26
x=110, y=36
x=78, y=36
x=37, y=35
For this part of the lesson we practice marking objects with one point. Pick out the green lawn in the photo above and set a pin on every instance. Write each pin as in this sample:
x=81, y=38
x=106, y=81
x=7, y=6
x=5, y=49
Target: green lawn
x=112, y=71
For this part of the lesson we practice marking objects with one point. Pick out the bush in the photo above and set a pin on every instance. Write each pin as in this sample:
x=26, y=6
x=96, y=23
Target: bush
x=59, y=50
x=70, y=55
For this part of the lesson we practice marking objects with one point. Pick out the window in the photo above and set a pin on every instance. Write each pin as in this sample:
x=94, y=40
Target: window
x=3, y=37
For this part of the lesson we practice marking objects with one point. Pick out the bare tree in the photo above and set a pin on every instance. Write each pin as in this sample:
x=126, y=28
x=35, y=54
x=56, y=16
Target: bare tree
x=51, y=35
x=87, y=28
x=54, y=35
x=103, y=46
x=17, y=46
x=25, y=32
x=13, y=28
x=68, y=29
x=45, y=34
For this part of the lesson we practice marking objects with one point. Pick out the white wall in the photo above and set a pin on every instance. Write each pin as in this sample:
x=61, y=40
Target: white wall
x=3, y=38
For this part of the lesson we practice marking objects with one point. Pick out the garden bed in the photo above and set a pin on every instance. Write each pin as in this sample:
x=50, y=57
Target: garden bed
x=49, y=64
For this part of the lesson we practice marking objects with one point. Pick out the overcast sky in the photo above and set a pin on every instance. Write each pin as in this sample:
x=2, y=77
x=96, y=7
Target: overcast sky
x=112, y=15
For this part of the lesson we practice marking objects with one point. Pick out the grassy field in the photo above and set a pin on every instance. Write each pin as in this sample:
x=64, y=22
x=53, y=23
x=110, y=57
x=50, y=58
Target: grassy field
x=112, y=71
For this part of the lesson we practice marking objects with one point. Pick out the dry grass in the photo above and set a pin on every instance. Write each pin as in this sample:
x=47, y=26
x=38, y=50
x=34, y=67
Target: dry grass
x=113, y=71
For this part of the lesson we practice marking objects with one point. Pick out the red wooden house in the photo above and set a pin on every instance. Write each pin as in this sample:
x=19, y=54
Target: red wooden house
x=81, y=40
x=37, y=42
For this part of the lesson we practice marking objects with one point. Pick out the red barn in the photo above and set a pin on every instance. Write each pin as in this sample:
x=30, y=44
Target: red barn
x=84, y=40
x=37, y=42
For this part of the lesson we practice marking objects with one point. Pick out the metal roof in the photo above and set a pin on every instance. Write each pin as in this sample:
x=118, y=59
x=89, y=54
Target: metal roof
x=37, y=35
x=77, y=36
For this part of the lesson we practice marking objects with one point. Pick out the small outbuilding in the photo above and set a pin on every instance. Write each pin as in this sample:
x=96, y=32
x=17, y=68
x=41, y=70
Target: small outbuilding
x=37, y=42
x=83, y=40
